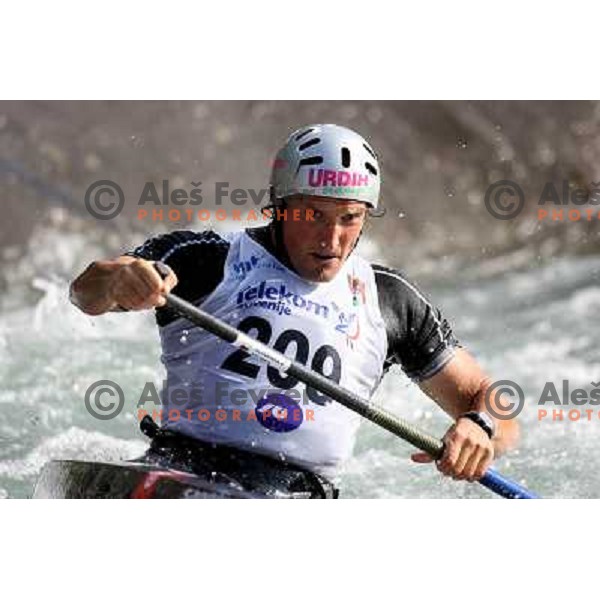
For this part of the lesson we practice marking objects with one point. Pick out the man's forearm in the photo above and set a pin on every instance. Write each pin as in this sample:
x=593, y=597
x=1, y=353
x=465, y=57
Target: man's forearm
x=91, y=291
x=461, y=386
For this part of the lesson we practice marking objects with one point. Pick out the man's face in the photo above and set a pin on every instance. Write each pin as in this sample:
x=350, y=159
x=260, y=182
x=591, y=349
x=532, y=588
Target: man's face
x=320, y=241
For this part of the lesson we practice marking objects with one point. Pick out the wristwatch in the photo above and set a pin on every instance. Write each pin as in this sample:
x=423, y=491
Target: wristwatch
x=483, y=420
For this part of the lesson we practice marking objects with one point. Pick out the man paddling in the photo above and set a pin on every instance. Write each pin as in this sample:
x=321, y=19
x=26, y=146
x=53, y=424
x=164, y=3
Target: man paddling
x=298, y=286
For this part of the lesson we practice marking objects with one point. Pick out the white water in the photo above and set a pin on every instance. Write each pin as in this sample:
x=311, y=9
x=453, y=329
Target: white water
x=530, y=326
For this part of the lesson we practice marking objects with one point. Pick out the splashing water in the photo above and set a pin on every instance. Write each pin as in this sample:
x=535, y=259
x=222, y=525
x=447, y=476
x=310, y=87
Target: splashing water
x=530, y=326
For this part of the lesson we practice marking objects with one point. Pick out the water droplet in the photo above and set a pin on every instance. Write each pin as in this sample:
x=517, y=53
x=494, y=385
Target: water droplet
x=188, y=361
x=401, y=215
x=137, y=141
x=461, y=143
x=184, y=336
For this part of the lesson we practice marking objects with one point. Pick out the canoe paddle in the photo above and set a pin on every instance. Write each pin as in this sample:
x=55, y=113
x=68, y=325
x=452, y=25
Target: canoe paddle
x=492, y=480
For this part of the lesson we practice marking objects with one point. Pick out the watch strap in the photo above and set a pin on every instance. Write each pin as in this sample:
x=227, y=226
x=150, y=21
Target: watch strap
x=483, y=420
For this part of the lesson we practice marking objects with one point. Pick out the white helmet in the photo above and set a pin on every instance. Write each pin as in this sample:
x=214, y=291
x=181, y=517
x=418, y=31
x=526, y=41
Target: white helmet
x=326, y=160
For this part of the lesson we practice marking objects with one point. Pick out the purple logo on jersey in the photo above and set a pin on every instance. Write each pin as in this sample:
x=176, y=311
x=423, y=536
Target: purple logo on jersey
x=279, y=413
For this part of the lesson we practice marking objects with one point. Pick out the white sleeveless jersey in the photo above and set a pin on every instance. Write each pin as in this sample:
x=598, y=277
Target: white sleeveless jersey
x=218, y=393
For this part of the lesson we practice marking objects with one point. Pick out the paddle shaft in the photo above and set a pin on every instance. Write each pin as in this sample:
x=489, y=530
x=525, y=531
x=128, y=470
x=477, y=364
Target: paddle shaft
x=399, y=427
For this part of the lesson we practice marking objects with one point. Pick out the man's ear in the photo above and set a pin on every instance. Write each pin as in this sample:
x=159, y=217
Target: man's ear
x=377, y=212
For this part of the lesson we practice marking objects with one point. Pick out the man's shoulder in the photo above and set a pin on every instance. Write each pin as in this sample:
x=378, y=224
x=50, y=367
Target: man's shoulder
x=402, y=303
x=164, y=246
x=419, y=337
x=394, y=283
x=385, y=273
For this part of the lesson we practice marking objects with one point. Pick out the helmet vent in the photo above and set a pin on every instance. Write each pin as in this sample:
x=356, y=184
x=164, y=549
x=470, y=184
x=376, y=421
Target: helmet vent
x=370, y=151
x=309, y=144
x=311, y=160
x=304, y=133
x=345, y=157
x=371, y=168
